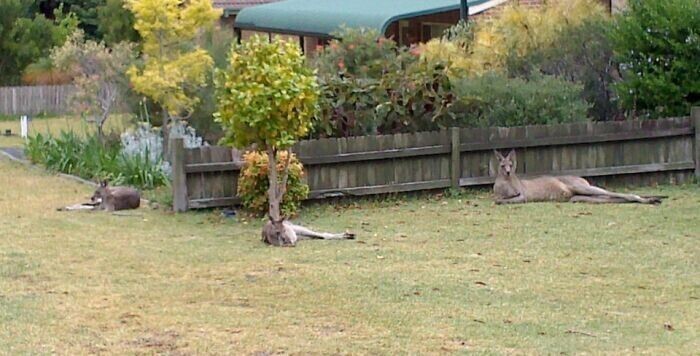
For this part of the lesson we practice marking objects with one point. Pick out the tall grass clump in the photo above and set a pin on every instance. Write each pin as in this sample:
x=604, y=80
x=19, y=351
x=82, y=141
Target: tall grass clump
x=89, y=158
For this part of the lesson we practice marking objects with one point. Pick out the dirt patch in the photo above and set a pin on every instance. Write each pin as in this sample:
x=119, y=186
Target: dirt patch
x=160, y=342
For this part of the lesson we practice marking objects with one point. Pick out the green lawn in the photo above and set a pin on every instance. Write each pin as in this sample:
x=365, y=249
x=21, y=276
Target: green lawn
x=426, y=276
x=54, y=125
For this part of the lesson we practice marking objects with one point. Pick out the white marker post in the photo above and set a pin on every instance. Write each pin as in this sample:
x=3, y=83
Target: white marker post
x=24, y=126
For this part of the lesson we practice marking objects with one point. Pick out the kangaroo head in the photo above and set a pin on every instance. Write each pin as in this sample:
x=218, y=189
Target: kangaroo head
x=277, y=232
x=101, y=192
x=507, y=164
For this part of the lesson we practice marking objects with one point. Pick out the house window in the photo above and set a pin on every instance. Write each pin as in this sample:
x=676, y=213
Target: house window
x=404, y=31
x=433, y=30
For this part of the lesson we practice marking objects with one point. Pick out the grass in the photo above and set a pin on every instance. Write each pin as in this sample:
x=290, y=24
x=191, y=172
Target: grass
x=54, y=125
x=426, y=276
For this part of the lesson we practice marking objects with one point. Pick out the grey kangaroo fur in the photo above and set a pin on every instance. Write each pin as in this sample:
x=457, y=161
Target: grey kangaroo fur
x=284, y=233
x=509, y=189
x=116, y=198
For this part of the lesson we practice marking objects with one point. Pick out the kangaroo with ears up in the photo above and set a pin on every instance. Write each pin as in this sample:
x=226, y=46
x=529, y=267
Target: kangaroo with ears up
x=116, y=198
x=509, y=189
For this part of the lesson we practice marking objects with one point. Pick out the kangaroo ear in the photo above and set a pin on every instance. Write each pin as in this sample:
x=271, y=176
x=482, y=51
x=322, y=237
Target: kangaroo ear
x=498, y=155
x=511, y=154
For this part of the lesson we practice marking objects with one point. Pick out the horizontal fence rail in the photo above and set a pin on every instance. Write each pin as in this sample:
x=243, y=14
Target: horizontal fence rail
x=625, y=152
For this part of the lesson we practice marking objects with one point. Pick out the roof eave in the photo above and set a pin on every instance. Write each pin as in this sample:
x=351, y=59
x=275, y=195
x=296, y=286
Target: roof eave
x=251, y=27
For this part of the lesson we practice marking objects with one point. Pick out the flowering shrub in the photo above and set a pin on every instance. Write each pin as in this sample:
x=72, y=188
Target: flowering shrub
x=370, y=85
x=253, y=183
x=144, y=141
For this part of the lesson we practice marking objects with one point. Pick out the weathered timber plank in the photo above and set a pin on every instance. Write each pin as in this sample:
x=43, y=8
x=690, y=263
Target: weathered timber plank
x=695, y=116
x=213, y=167
x=594, y=172
x=213, y=202
x=376, y=155
x=574, y=140
x=456, y=159
x=179, y=175
x=380, y=189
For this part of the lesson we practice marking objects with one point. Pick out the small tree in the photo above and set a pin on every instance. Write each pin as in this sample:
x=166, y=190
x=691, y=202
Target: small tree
x=174, y=66
x=657, y=43
x=99, y=74
x=267, y=97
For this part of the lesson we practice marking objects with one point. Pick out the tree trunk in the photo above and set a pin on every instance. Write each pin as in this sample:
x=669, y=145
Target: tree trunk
x=274, y=232
x=273, y=192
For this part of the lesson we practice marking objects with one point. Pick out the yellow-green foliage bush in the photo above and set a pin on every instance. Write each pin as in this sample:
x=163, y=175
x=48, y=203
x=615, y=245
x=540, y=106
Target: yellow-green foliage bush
x=253, y=183
x=267, y=97
x=518, y=31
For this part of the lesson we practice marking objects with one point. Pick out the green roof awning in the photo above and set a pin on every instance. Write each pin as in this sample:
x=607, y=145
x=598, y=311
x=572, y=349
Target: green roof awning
x=324, y=17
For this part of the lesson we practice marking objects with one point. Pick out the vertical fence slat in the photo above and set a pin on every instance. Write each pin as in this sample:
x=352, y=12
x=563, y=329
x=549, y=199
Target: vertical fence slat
x=695, y=117
x=179, y=175
x=455, y=164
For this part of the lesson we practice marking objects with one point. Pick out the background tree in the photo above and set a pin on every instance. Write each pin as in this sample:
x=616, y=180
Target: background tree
x=174, y=66
x=26, y=37
x=84, y=10
x=657, y=43
x=268, y=97
x=99, y=74
x=115, y=23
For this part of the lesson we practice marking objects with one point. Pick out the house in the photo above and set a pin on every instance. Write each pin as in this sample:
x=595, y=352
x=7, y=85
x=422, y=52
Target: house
x=313, y=22
x=231, y=8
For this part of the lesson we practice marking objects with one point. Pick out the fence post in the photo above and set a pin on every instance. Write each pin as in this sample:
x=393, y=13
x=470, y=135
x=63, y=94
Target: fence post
x=455, y=163
x=177, y=149
x=14, y=101
x=24, y=126
x=695, y=118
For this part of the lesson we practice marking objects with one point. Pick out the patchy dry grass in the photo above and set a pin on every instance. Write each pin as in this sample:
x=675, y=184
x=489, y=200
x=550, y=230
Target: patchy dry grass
x=426, y=276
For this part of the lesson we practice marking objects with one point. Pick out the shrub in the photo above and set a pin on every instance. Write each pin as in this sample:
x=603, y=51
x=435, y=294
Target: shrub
x=139, y=171
x=370, y=85
x=43, y=72
x=253, y=183
x=99, y=75
x=657, y=44
x=567, y=39
x=268, y=97
x=90, y=158
x=583, y=54
x=495, y=100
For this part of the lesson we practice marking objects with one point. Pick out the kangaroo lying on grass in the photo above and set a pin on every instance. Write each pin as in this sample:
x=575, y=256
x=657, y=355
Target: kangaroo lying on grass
x=116, y=198
x=284, y=233
x=509, y=189
x=110, y=199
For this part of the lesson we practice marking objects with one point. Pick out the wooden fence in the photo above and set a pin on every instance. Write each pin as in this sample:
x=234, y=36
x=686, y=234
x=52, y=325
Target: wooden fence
x=33, y=100
x=626, y=152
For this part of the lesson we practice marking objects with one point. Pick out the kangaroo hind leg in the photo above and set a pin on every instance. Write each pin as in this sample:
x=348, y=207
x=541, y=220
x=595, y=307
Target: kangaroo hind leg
x=303, y=232
x=589, y=190
x=597, y=199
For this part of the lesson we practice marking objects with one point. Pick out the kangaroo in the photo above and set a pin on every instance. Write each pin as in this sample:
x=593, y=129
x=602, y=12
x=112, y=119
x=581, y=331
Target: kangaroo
x=116, y=198
x=509, y=189
x=284, y=233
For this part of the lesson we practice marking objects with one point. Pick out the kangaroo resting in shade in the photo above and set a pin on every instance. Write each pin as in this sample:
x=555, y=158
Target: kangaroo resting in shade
x=284, y=233
x=509, y=189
